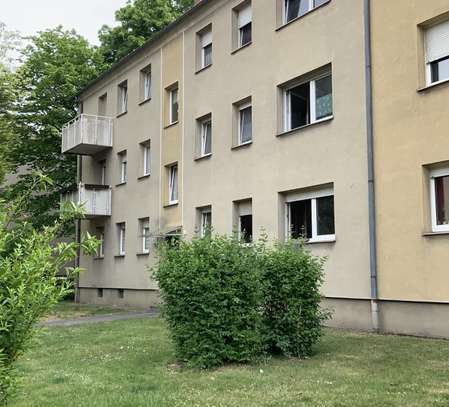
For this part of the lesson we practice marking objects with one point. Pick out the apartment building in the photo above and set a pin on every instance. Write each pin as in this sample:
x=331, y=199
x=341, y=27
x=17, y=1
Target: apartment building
x=255, y=117
x=411, y=150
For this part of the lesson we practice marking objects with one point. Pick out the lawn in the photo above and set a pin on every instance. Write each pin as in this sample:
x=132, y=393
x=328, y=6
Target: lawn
x=131, y=363
x=69, y=310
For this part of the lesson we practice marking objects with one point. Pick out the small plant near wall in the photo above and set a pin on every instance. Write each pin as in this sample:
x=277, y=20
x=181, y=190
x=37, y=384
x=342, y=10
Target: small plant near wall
x=228, y=302
x=29, y=286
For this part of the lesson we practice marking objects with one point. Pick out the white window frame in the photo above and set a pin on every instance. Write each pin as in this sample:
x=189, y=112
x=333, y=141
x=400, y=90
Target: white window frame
x=123, y=168
x=433, y=204
x=171, y=110
x=172, y=185
x=204, y=44
x=241, y=107
x=123, y=87
x=146, y=158
x=100, y=237
x=145, y=230
x=312, y=100
x=311, y=6
x=313, y=196
x=204, y=213
x=241, y=26
x=121, y=238
x=146, y=84
x=203, y=136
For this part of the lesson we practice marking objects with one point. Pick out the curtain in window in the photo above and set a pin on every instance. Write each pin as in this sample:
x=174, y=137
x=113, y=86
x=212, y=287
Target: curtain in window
x=147, y=86
x=173, y=184
x=245, y=125
x=206, y=139
x=323, y=89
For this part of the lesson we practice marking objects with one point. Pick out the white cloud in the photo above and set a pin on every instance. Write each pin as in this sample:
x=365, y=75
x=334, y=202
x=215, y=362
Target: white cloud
x=85, y=16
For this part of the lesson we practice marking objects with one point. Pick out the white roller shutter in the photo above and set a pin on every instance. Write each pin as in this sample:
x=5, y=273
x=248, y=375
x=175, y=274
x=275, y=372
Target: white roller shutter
x=245, y=208
x=437, y=42
x=206, y=38
x=245, y=16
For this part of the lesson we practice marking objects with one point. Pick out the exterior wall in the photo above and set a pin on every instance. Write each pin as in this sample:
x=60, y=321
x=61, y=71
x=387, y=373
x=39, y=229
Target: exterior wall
x=330, y=152
x=133, y=298
x=410, y=128
x=139, y=197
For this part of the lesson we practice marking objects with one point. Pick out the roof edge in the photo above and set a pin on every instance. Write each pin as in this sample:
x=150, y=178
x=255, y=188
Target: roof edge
x=192, y=10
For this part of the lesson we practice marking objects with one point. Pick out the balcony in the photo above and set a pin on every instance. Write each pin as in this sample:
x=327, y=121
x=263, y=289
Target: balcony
x=87, y=134
x=96, y=199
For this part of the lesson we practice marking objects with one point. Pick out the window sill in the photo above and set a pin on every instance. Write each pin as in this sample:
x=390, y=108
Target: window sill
x=119, y=256
x=297, y=129
x=171, y=125
x=121, y=114
x=240, y=48
x=243, y=145
x=431, y=234
x=143, y=176
x=202, y=69
x=120, y=184
x=302, y=16
x=433, y=85
x=172, y=204
x=144, y=101
x=316, y=241
x=203, y=157
x=140, y=254
x=99, y=258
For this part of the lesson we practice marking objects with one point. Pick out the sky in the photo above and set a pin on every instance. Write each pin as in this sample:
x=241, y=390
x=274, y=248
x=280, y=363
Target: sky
x=85, y=16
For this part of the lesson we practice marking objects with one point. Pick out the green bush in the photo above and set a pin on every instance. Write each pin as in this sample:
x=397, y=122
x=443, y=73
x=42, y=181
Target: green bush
x=229, y=302
x=29, y=287
x=212, y=292
x=292, y=313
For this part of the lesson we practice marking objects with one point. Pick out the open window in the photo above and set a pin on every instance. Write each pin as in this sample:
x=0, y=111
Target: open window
x=145, y=83
x=122, y=98
x=307, y=100
x=204, y=136
x=310, y=215
x=293, y=9
x=244, y=220
x=439, y=199
x=172, y=184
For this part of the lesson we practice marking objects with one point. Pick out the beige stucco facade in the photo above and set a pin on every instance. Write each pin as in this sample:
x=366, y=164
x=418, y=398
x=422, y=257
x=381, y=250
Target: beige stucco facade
x=265, y=176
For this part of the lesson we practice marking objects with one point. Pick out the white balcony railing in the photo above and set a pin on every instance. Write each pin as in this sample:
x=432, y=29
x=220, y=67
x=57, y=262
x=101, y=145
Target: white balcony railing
x=87, y=134
x=95, y=199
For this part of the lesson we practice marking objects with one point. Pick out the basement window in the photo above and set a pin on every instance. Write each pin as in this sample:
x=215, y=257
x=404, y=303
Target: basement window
x=310, y=216
x=121, y=293
x=307, y=102
x=99, y=292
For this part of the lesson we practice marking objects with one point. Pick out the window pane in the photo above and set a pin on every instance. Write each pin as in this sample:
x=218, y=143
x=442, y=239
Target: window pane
x=299, y=98
x=317, y=3
x=246, y=124
x=440, y=70
x=245, y=34
x=442, y=200
x=174, y=106
x=295, y=8
x=323, y=89
x=207, y=137
x=301, y=219
x=246, y=228
x=325, y=215
x=207, y=55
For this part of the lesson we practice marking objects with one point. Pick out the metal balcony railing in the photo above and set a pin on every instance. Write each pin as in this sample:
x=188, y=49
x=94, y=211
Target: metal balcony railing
x=95, y=199
x=87, y=134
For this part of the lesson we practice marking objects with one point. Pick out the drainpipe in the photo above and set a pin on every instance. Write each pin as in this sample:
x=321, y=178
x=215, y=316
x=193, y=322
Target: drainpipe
x=370, y=143
x=79, y=177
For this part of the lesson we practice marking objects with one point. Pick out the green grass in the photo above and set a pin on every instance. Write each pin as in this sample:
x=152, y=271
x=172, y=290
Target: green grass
x=131, y=363
x=69, y=310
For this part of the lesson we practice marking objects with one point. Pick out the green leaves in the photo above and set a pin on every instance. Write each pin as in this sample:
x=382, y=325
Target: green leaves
x=30, y=260
x=138, y=22
x=228, y=302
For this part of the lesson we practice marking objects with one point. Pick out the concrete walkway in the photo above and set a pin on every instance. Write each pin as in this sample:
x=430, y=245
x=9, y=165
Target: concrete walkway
x=100, y=318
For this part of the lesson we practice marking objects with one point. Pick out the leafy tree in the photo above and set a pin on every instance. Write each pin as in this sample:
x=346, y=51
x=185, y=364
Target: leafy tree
x=138, y=21
x=29, y=286
x=57, y=64
x=7, y=96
